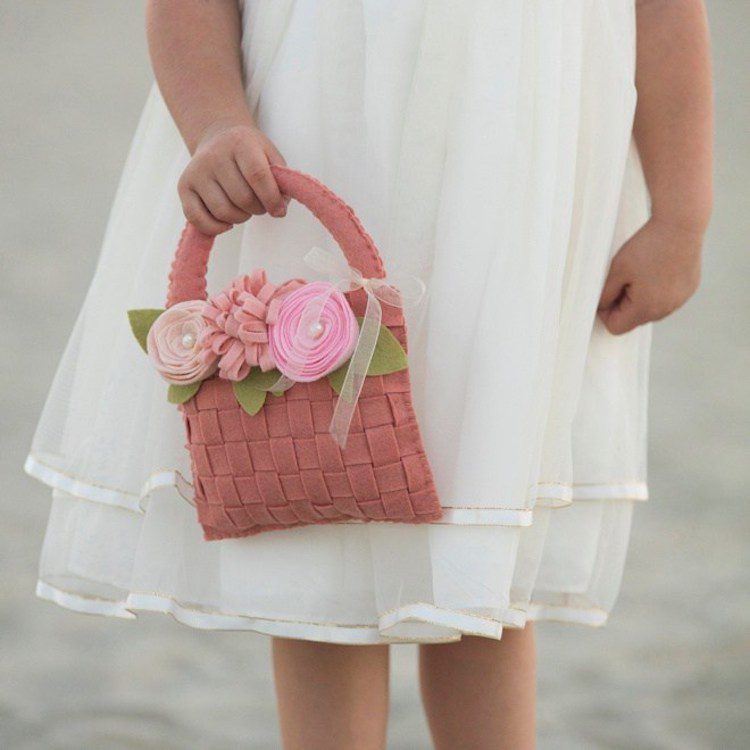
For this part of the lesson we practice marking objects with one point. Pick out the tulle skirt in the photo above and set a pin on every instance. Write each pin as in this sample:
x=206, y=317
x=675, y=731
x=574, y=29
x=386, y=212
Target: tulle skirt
x=487, y=148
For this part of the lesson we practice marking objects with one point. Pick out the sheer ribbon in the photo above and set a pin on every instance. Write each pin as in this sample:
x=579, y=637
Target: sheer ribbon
x=348, y=279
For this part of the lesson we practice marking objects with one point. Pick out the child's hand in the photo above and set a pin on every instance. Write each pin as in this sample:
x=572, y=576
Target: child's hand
x=229, y=179
x=654, y=272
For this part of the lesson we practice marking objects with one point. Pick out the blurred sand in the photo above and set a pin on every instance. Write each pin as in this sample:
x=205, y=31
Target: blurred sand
x=672, y=670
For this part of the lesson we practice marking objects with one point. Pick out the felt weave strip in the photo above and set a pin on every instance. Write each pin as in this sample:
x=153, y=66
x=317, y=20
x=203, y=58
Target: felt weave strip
x=281, y=468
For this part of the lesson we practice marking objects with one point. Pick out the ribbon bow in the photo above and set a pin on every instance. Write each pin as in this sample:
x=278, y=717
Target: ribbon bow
x=349, y=279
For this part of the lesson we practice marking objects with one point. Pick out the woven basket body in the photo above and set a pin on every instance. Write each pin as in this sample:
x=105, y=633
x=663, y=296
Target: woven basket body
x=281, y=467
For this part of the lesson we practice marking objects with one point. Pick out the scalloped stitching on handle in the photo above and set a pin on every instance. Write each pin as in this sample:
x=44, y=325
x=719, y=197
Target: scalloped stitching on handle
x=326, y=193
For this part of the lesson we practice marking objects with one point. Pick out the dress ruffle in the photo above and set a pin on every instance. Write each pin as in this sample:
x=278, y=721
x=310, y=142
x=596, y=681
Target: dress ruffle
x=343, y=583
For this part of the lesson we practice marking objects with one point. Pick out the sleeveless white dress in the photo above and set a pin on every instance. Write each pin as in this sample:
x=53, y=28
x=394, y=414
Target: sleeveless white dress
x=486, y=145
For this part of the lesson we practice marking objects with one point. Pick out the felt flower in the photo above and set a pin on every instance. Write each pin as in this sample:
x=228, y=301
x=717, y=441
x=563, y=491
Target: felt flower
x=173, y=344
x=315, y=332
x=238, y=320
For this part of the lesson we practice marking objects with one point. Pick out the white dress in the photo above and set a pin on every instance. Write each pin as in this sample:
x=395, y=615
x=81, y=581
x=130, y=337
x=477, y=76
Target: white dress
x=486, y=145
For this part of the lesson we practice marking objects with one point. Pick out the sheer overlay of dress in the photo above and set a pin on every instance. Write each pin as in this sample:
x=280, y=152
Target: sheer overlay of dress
x=486, y=145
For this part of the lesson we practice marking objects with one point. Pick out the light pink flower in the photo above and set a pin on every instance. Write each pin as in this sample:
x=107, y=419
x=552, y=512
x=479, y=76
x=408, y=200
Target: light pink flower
x=238, y=320
x=173, y=344
x=315, y=332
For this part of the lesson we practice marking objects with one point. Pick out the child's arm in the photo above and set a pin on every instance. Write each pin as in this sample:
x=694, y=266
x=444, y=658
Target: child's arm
x=195, y=51
x=658, y=269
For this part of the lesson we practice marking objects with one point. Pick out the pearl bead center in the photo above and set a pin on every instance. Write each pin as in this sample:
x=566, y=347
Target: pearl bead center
x=188, y=341
x=315, y=330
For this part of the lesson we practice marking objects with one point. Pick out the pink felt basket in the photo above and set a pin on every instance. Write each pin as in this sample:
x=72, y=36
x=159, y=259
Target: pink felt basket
x=281, y=467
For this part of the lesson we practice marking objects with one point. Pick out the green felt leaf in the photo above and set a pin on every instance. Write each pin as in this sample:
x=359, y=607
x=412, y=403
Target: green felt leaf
x=389, y=355
x=250, y=398
x=179, y=394
x=141, y=322
x=262, y=380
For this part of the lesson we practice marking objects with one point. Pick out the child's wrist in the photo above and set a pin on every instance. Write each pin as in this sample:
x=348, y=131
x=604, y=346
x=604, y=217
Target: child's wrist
x=693, y=220
x=240, y=118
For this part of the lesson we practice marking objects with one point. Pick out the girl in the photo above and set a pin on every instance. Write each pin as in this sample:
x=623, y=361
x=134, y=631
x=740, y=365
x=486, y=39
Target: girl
x=487, y=148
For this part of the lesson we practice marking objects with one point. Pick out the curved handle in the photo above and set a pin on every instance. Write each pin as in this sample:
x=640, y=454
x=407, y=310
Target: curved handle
x=187, y=279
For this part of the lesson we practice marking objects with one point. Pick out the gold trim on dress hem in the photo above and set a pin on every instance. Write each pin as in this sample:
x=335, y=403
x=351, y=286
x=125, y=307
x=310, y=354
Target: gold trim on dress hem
x=98, y=486
x=194, y=607
x=197, y=609
x=177, y=474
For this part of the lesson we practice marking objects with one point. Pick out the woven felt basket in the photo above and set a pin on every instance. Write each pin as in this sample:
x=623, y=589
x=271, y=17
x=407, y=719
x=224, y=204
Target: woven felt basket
x=280, y=467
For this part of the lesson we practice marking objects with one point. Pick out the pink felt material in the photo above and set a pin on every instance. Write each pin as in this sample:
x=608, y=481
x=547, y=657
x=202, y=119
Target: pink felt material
x=237, y=323
x=174, y=344
x=280, y=467
x=314, y=333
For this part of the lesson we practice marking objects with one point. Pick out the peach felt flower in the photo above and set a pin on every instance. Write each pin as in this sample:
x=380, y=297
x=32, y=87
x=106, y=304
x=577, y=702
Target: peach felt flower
x=173, y=344
x=315, y=332
x=238, y=320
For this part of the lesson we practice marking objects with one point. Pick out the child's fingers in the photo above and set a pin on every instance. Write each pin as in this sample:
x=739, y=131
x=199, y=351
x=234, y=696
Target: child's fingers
x=238, y=191
x=276, y=159
x=200, y=217
x=256, y=170
x=218, y=203
x=624, y=316
x=274, y=155
x=618, y=319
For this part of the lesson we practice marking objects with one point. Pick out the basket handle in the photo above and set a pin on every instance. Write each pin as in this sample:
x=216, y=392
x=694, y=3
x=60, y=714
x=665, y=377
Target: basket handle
x=187, y=279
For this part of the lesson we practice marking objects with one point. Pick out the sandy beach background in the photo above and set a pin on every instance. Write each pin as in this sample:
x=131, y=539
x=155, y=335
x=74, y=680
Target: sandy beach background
x=671, y=671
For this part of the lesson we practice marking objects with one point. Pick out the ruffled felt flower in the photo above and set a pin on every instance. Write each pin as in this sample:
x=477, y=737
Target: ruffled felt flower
x=238, y=320
x=315, y=332
x=173, y=344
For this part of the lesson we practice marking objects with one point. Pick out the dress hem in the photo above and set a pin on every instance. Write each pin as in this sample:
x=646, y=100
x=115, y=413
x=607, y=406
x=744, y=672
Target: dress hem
x=457, y=623
x=551, y=494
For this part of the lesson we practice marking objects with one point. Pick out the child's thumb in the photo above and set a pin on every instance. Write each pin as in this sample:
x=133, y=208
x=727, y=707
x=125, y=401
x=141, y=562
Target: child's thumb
x=613, y=288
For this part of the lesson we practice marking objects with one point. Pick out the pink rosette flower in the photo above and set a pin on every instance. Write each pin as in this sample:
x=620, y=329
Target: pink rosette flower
x=315, y=332
x=238, y=320
x=173, y=344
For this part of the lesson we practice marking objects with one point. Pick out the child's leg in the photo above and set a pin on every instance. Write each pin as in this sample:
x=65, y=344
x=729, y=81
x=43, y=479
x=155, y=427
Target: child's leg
x=480, y=694
x=331, y=697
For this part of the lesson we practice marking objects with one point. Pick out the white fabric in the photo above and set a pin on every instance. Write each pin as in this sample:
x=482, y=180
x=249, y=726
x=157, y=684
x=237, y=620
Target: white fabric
x=486, y=147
